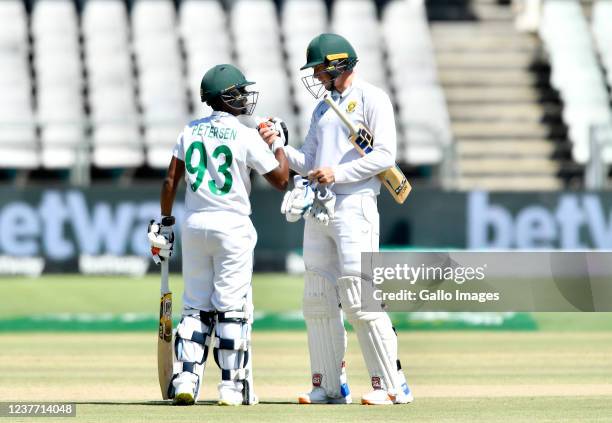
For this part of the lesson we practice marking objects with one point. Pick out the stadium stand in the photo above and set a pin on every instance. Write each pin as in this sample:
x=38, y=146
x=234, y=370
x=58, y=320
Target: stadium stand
x=142, y=61
x=423, y=116
x=18, y=143
x=59, y=81
x=504, y=118
x=161, y=82
x=602, y=31
x=576, y=72
x=297, y=33
x=256, y=31
x=211, y=42
x=116, y=79
x=111, y=85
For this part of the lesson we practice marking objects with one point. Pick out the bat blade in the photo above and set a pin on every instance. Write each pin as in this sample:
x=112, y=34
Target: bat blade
x=393, y=179
x=164, y=335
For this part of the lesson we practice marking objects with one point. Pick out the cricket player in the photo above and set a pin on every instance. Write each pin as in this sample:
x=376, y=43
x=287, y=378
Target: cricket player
x=343, y=223
x=214, y=155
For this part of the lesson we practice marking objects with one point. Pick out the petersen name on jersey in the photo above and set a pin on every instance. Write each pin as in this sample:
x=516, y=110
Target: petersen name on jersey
x=219, y=152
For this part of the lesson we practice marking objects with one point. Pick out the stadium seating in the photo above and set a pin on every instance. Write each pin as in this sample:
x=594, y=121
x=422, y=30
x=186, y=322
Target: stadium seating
x=205, y=45
x=123, y=78
x=297, y=33
x=357, y=21
x=114, y=118
x=18, y=146
x=423, y=117
x=602, y=31
x=59, y=81
x=575, y=73
x=161, y=81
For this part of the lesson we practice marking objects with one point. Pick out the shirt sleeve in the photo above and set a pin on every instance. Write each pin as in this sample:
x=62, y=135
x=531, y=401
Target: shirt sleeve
x=302, y=160
x=179, y=150
x=379, y=116
x=259, y=156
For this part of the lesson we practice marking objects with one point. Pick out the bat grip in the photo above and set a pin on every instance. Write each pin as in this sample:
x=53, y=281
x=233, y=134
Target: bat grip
x=165, y=288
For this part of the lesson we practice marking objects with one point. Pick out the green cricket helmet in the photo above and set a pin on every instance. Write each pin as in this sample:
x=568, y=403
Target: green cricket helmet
x=335, y=52
x=228, y=84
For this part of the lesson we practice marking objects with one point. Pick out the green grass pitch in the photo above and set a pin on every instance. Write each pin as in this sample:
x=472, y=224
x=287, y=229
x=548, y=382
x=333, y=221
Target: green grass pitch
x=563, y=372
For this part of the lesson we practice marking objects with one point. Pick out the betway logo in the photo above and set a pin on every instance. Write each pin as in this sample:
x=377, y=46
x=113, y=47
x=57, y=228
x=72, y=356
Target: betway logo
x=578, y=221
x=64, y=226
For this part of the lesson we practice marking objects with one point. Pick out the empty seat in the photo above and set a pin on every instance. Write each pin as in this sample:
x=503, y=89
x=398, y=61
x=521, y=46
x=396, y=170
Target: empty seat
x=117, y=146
x=426, y=124
x=104, y=17
x=18, y=147
x=151, y=17
x=575, y=71
x=54, y=17
x=205, y=45
x=59, y=78
x=161, y=81
x=602, y=31
x=18, y=143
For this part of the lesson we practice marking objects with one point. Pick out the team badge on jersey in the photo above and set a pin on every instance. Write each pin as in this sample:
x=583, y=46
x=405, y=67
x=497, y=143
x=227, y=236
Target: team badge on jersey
x=351, y=106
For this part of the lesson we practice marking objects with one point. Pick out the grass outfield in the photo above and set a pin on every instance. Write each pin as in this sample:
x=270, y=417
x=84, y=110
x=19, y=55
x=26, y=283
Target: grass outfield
x=561, y=373
x=273, y=292
x=456, y=377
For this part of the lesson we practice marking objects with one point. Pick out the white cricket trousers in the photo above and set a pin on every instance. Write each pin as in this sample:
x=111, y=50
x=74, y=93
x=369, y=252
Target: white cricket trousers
x=217, y=252
x=335, y=250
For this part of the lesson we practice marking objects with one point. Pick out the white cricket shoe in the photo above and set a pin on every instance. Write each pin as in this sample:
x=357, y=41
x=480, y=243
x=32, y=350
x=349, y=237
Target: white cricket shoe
x=230, y=393
x=382, y=397
x=184, y=389
x=403, y=398
x=319, y=396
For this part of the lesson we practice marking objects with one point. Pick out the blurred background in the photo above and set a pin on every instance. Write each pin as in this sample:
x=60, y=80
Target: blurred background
x=502, y=110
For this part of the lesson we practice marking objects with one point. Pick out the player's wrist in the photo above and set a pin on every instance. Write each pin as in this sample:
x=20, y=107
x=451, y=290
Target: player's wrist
x=276, y=144
x=167, y=220
x=339, y=175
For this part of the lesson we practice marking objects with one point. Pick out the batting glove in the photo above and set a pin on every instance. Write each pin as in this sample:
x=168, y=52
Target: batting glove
x=297, y=201
x=280, y=127
x=322, y=210
x=161, y=238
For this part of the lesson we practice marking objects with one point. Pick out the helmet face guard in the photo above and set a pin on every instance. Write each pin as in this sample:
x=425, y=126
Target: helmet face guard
x=333, y=68
x=240, y=100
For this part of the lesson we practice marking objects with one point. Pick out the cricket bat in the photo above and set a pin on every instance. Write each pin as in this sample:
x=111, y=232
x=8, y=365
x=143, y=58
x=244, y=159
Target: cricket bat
x=164, y=336
x=362, y=139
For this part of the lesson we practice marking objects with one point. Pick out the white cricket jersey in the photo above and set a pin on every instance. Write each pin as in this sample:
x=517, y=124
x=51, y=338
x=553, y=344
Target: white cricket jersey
x=219, y=152
x=327, y=142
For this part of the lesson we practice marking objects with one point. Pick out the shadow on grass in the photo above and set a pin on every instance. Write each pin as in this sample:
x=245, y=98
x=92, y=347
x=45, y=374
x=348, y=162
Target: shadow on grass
x=169, y=403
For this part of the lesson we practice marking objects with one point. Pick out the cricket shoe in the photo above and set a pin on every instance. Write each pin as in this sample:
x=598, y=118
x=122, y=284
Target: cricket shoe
x=319, y=396
x=382, y=397
x=184, y=389
x=230, y=393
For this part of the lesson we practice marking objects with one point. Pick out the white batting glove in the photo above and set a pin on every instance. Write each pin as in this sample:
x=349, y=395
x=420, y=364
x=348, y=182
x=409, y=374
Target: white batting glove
x=322, y=210
x=161, y=238
x=280, y=127
x=297, y=201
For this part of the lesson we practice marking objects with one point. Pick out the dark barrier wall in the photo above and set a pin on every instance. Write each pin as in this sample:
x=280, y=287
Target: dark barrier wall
x=104, y=229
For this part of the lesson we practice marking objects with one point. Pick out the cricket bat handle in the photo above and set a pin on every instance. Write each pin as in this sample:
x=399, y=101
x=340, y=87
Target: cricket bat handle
x=165, y=288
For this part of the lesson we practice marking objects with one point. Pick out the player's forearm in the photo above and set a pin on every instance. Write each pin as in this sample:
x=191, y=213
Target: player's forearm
x=279, y=177
x=298, y=161
x=168, y=194
x=364, y=168
x=176, y=171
